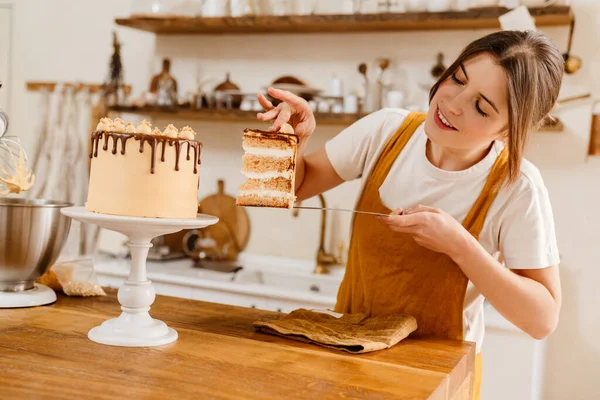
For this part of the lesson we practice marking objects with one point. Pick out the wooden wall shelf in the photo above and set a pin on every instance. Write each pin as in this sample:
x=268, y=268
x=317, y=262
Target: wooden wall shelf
x=226, y=115
x=220, y=115
x=483, y=18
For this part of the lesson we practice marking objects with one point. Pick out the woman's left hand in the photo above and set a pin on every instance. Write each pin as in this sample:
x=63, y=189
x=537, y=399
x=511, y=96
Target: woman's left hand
x=430, y=227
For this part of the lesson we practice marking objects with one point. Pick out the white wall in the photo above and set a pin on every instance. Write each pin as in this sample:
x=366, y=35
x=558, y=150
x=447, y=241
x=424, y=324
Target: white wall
x=5, y=51
x=71, y=40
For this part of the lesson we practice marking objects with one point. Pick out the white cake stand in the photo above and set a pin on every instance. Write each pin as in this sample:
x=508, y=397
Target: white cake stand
x=134, y=327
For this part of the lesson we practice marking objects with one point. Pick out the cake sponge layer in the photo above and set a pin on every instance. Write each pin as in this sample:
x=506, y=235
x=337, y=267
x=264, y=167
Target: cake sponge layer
x=259, y=164
x=263, y=201
x=274, y=184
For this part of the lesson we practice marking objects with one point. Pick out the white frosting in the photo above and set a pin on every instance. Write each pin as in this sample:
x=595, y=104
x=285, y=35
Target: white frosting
x=118, y=126
x=187, y=133
x=129, y=128
x=144, y=127
x=266, y=193
x=267, y=175
x=170, y=131
x=156, y=132
x=261, y=151
x=105, y=125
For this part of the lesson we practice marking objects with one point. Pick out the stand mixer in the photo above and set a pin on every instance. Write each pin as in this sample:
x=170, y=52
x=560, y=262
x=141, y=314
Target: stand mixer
x=32, y=232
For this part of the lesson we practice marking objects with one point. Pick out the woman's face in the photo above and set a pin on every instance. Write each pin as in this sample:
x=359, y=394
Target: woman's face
x=470, y=107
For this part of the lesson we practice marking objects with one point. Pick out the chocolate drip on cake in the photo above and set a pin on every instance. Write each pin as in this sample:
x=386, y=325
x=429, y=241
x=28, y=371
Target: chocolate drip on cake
x=115, y=137
x=96, y=136
x=177, y=154
x=115, y=143
x=124, y=140
x=153, y=141
x=197, y=151
x=284, y=137
x=162, y=155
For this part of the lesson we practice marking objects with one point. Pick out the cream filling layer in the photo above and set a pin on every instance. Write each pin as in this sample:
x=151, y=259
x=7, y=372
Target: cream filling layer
x=266, y=193
x=267, y=175
x=262, y=151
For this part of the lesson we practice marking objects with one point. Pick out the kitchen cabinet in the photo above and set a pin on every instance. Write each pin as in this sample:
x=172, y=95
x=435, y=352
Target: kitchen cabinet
x=173, y=279
x=510, y=355
x=230, y=298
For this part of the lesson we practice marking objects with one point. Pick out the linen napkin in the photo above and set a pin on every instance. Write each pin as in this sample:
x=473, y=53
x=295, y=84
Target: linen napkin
x=352, y=333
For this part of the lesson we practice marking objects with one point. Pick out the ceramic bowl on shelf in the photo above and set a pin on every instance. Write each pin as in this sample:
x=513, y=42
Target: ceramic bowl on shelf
x=439, y=5
x=483, y=3
x=416, y=5
x=166, y=8
x=294, y=85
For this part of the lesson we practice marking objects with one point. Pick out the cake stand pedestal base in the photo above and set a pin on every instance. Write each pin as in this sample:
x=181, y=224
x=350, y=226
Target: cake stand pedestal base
x=135, y=327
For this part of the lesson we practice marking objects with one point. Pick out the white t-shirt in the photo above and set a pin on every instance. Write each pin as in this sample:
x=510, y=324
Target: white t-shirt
x=519, y=223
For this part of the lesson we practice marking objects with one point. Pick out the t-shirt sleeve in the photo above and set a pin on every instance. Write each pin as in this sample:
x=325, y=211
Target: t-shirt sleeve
x=351, y=148
x=527, y=235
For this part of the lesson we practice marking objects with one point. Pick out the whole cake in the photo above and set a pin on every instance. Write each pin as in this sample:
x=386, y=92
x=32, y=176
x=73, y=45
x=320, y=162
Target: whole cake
x=143, y=171
x=269, y=164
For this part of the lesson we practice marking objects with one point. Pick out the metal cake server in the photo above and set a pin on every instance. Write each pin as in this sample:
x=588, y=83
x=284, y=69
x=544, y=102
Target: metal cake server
x=342, y=209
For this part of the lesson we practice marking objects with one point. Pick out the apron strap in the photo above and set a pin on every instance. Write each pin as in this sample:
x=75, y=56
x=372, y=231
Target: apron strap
x=394, y=146
x=474, y=220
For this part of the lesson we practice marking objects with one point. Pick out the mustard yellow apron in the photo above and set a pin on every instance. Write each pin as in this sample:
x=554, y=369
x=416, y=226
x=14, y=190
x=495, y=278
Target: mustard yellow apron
x=387, y=272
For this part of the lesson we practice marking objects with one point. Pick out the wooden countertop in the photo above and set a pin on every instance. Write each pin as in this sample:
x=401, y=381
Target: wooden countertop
x=45, y=353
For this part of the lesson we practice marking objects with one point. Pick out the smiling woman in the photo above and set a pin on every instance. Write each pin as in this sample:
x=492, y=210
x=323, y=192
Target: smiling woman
x=458, y=193
x=510, y=83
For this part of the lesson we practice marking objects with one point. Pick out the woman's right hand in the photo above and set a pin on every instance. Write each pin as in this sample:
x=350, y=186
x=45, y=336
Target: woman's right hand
x=293, y=110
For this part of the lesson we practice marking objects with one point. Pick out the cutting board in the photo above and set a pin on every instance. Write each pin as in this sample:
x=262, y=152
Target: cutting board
x=230, y=215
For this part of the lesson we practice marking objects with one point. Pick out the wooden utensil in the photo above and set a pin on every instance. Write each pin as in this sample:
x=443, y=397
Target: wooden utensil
x=383, y=64
x=214, y=243
x=572, y=63
x=438, y=69
x=235, y=218
x=362, y=68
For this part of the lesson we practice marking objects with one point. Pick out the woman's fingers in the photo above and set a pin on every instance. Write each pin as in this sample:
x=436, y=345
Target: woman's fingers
x=421, y=208
x=292, y=109
x=402, y=221
x=266, y=116
x=264, y=102
x=284, y=116
x=293, y=100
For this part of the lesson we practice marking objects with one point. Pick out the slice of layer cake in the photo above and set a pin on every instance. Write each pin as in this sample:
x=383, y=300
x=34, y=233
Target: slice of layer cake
x=144, y=172
x=269, y=164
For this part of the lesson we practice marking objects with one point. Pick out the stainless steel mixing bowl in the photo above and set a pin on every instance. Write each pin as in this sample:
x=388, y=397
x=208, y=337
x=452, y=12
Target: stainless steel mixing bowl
x=32, y=234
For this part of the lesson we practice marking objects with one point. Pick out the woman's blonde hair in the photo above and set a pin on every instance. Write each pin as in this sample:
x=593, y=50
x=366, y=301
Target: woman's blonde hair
x=534, y=68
